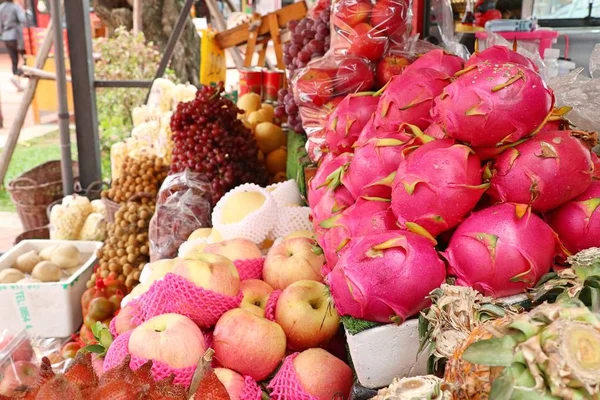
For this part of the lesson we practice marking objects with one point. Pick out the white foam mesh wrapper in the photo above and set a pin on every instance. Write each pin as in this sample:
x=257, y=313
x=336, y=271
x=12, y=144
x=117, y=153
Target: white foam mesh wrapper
x=292, y=219
x=256, y=226
x=286, y=193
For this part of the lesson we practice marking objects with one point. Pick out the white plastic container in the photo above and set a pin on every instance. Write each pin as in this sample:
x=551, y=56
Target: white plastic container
x=385, y=352
x=45, y=309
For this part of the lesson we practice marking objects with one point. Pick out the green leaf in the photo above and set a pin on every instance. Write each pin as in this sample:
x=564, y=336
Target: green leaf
x=497, y=352
x=503, y=386
x=95, y=348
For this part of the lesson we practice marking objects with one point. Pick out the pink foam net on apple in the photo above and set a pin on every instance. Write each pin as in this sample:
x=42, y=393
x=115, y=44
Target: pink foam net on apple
x=286, y=385
x=175, y=294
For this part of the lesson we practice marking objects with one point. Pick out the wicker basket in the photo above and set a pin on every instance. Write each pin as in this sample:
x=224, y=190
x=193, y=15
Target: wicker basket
x=41, y=185
x=111, y=209
x=32, y=217
x=38, y=233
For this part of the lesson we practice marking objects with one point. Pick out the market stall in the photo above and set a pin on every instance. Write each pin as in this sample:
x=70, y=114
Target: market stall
x=384, y=220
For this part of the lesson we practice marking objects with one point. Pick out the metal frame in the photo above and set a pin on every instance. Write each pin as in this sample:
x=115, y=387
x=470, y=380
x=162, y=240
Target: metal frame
x=84, y=85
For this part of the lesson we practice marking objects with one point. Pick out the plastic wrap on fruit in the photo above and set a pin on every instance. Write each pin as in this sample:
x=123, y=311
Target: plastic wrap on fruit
x=161, y=95
x=581, y=93
x=367, y=28
x=493, y=39
x=94, y=228
x=442, y=11
x=143, y=114
x=183, y=205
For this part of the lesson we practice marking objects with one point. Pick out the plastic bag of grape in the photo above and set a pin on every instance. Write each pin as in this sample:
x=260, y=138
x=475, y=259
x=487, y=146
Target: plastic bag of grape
x=364, y=35
x=183, y=205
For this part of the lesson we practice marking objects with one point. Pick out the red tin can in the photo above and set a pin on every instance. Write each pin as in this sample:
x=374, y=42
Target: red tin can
x=273, y=80
x=251, y=81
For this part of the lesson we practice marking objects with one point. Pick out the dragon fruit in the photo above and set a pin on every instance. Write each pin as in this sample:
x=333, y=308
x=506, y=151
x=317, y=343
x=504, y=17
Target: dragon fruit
x=348, y=119
x=596, y=161
x=444, y=179
x=439, y=60
x=324, y=178
x=491, y=105
x=333, y=202
x=502, y=250
x=577, y=222
x=377, y=158
x=386, y=277
x=408, y=98
x=500, y=55
x=367, y=216
x=546, y=171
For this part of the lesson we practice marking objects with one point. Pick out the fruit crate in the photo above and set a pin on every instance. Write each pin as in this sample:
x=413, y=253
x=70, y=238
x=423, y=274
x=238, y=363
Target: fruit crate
x=50, y=309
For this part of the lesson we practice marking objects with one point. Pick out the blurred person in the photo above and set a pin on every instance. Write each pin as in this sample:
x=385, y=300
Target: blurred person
x=12, y=21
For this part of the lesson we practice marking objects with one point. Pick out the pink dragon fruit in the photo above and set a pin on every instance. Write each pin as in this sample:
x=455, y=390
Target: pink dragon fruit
x=408, y=98
x=443, y=179
x=577, y=222
x=439, y=60
x=333, y=202
x=502, y=250
x=596, y=161
x=386, y=277
x=367, y=216
x=435, y=131
x=348, y=119
x=376, y=159
x=546, y=171
x=493, y=105
x=324, y=178
x=500, y=55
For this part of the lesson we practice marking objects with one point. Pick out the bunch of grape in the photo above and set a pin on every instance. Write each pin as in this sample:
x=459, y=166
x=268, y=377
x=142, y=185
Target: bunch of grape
x=210, y=139
x=310, y=39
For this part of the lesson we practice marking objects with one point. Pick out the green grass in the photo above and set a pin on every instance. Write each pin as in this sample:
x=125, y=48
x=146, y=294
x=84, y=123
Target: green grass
x=37, y=151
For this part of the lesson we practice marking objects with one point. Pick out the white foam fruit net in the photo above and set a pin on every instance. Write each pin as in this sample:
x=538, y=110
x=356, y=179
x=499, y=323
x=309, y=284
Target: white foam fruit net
x=286, y=193
x=256, y=226
x=292, y=219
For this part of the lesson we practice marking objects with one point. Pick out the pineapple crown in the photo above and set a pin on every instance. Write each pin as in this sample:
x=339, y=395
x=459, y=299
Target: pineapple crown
x=580, y=281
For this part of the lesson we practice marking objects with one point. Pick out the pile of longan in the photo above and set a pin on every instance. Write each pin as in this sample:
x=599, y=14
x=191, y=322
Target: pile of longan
x=126, y=250
x=138, y=175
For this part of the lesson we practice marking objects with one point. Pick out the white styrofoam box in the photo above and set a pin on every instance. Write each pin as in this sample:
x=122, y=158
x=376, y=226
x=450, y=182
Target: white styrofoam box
x=51, y=309
x=385, y=352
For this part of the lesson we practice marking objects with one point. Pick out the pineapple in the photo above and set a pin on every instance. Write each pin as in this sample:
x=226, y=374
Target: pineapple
x=551, y=352
x=419, y=387
x=454, y=313
x=581, y=281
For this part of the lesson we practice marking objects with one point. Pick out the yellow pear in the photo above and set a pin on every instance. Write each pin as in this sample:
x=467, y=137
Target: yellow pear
x=240, y=204
x=256, y=117
x=249, y=102
x=201, y=233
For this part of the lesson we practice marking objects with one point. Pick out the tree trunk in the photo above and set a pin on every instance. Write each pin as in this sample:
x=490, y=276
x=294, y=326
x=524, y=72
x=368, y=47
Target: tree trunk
x=159, y=18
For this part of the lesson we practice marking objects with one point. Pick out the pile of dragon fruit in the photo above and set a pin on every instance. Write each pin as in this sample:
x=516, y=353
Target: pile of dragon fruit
x=462, y=170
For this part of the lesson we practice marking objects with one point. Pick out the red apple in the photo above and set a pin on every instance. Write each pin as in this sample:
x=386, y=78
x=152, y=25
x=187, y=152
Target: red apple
x=233, y=382
x=351, y=12
x=306, y=313
x=168, y=338
x=388, y=18
x=22, y=351
x=70, y=350
x=211, y=272
x=123, y=321
x=256, y=294
x=367, y=42
x=354, y=75
x=292, y=261
x=323, y=375
x=390, y=65
x=235, y=249
x=315, y=86
x=19, y=373
x=248, y=344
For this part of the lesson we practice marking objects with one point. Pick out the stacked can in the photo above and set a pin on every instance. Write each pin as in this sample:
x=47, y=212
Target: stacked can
x=262, y=81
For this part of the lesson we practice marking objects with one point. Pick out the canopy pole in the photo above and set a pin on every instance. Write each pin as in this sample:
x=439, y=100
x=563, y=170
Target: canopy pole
x=63, y=107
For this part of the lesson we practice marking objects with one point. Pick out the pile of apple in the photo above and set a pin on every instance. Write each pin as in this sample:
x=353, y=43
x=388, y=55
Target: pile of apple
x=367, y=49
x=287, y=312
